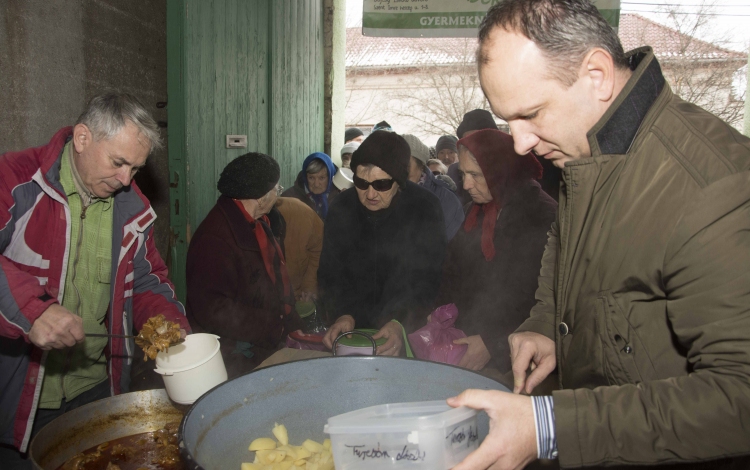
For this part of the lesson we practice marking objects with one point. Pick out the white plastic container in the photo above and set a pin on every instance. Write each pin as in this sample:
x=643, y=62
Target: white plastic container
x=192, y=368
x=421, y=435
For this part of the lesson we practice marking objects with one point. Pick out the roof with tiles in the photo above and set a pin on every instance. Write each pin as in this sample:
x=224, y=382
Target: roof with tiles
x=634, y=31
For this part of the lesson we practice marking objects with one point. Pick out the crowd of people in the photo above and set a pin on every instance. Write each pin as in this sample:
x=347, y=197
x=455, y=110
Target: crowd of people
x=633, y=293
x=382, y=251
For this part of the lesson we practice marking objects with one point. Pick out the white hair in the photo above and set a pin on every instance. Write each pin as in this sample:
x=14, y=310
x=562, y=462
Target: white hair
x=108, y=113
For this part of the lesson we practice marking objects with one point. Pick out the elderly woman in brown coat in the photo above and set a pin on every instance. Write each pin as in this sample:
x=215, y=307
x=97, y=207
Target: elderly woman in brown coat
x=492, y=264
x=237, y=282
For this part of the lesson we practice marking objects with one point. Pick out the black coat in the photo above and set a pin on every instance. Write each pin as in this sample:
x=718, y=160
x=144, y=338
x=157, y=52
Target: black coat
x=495, y=297
x=383, y=265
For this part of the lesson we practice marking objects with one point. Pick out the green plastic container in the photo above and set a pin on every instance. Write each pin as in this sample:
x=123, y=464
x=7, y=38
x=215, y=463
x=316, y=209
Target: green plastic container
x=358, y=345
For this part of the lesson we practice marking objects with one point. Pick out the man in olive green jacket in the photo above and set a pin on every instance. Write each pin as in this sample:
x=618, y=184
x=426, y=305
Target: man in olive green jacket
x=643, y=303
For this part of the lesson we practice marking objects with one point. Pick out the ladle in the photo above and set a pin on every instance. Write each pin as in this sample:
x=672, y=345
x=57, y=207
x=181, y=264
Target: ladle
x=102, y=335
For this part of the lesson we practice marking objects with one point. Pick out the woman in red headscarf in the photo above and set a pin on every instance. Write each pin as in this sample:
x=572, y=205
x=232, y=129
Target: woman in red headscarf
x=493, y=263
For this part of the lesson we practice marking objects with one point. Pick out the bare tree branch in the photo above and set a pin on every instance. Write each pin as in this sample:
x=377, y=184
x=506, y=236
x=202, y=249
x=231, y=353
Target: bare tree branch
x=442, y=93
x=695, y=73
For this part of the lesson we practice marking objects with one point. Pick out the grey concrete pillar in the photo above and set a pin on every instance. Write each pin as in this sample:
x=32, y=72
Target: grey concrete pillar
x=335, y=76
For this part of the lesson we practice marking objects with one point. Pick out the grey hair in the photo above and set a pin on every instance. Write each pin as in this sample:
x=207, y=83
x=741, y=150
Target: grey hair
x=108, y=113
x=435, y=161
x=564, y=30
x=315, y=166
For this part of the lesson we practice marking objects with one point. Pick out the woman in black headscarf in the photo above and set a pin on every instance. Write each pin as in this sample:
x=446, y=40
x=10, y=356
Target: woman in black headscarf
x=237, y=279
x=383, y=246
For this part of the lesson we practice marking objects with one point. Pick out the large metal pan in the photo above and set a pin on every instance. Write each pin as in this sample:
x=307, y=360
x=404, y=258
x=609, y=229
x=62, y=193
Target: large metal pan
x=217, y=430
x=101, y=421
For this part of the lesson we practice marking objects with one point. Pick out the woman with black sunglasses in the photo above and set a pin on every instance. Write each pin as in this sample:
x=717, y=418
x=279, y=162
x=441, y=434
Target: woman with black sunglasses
x=383, y=246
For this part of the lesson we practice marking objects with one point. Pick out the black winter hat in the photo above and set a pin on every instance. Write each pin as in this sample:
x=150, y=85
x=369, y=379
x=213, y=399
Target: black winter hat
x=249, y=176
x=475, y=120
x=446, y=142
x=382, y=126
x=386, y=150
x=352, y=133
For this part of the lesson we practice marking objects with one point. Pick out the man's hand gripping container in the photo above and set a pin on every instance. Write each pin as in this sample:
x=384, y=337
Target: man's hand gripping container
x=420, y=435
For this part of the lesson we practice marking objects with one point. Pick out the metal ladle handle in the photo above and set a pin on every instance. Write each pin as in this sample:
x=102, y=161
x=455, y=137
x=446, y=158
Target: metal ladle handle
x=355, y=332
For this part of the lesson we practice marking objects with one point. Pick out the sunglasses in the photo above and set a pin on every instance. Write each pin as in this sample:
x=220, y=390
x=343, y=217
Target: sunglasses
x=437, y=172
x=377, y=185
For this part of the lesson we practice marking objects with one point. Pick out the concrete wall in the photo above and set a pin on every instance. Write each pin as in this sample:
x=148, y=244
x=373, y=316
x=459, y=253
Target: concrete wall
x=56, y=55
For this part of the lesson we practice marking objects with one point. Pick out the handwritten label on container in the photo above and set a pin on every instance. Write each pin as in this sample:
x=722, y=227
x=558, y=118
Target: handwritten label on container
x=460, y=436
x=361, y=452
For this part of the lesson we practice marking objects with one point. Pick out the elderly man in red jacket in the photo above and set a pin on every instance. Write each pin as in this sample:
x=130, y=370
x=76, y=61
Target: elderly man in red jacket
x=77, y=257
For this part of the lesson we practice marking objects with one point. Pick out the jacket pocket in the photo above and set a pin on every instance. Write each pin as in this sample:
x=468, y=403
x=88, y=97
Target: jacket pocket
x=103, y=269
x=624, y=356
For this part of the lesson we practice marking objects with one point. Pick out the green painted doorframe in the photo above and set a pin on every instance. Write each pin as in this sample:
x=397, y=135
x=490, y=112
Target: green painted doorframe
x=178, y=243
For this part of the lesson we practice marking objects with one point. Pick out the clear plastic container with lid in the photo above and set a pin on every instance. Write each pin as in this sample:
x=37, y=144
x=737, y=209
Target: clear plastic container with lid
x=418, y=435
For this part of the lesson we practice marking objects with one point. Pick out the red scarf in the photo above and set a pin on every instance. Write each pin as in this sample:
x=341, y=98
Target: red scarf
x=490, y=211
x=267, y=252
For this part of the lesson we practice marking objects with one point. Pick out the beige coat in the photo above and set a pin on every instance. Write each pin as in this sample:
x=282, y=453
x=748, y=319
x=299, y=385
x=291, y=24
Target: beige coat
x=302, y=243
x=648, y=267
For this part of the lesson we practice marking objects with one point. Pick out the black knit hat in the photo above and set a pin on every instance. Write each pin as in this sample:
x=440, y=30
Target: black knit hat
x=446, y=142
x=249, y=176
x=386, y=150
x=352, y=133
x=382, y=126
x=475, y=120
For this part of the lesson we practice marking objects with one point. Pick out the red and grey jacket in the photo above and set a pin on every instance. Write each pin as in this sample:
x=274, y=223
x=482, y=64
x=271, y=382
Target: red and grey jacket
x=34, y=252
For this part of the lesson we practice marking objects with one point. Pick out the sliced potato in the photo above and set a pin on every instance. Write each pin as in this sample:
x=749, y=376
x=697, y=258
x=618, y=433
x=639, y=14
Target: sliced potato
x=291, y=453
x=262, y=443
x=302, y=452
x=313, y=446
x=265, y=457
x=280, y=432
x=273, y=455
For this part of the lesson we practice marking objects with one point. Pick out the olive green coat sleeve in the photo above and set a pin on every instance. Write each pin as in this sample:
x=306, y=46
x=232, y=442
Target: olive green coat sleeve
x=705, y=414
x=542, y=317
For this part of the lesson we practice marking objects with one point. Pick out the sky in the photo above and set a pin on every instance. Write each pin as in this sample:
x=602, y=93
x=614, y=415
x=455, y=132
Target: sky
x=729, y=19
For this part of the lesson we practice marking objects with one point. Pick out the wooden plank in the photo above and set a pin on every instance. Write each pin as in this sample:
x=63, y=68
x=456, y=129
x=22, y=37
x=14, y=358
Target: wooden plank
x=250, y=67
x=297, y=84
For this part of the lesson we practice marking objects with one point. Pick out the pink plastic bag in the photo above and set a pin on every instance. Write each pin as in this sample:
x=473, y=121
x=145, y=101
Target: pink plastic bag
x=434, y=341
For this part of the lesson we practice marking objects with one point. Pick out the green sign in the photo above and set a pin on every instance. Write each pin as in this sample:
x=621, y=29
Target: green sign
x=441, y=18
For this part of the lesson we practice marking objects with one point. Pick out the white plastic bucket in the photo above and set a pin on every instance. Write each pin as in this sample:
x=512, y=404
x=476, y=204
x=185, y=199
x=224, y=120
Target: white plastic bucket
x=192, y=368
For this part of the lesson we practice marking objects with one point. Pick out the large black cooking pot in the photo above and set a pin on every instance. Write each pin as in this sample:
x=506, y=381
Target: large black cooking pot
x=217, y=430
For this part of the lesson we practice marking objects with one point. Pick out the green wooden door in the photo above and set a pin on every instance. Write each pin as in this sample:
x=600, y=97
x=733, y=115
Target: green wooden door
x=247, y=67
